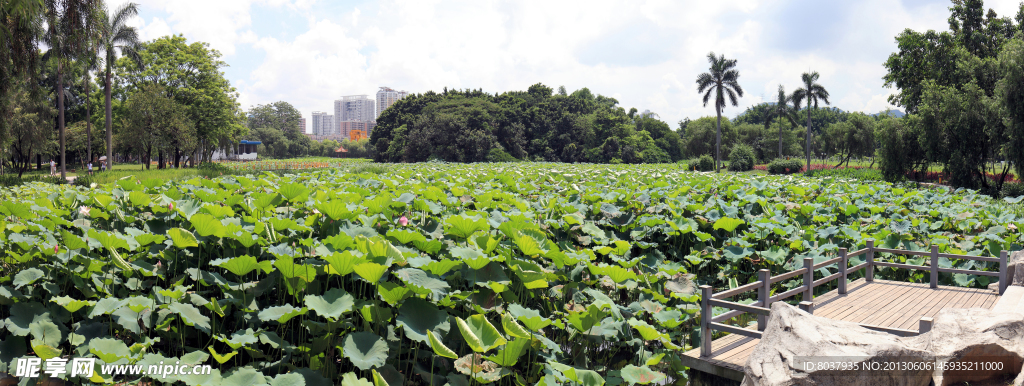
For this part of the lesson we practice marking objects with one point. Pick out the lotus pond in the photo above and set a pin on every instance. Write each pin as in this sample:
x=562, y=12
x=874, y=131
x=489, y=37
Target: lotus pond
x=434, y=274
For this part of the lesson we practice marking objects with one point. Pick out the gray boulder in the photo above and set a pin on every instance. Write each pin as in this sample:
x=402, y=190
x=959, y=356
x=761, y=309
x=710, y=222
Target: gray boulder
x=794, y=340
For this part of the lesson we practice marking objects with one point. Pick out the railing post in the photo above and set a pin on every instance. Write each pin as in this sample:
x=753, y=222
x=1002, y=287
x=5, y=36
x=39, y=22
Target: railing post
x=705, y=321
x=925, y=324
x=842, y=271
x=869, y=270
x=764, y=296
x=935, y=267
x=808, y=307
x=1003, y=280
x=809, y=279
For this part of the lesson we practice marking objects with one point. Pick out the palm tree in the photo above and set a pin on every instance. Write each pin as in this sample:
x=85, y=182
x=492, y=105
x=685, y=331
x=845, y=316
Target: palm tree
x=811, y=92
x=781, y=110
x=722, y=81
x=90, y=64
x=116, y=34
x=68, y=25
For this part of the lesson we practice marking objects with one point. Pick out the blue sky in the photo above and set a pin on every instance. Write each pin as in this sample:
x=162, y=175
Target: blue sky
x=645, y=53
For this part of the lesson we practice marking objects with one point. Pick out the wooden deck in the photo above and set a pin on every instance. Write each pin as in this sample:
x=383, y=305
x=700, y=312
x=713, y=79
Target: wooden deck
x=880, y=303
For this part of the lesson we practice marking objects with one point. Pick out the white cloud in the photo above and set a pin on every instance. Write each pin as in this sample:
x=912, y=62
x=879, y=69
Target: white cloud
x=645, y=53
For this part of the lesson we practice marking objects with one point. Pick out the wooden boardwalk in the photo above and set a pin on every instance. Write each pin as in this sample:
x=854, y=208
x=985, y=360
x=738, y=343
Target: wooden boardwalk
x=879, y=303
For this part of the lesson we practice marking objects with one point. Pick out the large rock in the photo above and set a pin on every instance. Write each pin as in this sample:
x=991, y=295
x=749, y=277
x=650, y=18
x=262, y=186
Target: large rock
x=794, y=338
x=1014, y=276
x=975, y=336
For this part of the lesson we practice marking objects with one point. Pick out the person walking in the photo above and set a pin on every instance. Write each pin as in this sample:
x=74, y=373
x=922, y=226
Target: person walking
x=90, y=168
x=53, y=168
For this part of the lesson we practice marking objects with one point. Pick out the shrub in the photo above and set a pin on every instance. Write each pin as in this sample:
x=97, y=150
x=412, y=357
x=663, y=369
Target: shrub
x=741, y=158
x=782, y=166
x=83, y=181
x=500, y=155
x=703, y=164
x=654, y=155
x=1013, y=189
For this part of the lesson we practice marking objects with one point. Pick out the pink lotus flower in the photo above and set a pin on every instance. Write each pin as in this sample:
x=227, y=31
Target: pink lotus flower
x=56, y=248
x=403, y=221
x=171, y=206
x=83, y=210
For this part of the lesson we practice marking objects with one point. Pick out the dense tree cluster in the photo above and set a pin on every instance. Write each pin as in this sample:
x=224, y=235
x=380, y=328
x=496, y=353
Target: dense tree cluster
x=963, y=90
x=537, y=124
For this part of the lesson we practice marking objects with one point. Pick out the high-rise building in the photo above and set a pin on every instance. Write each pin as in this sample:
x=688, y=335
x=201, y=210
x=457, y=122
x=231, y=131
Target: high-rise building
x=323, y=123
x=302, y=125
x=354, y=111
x=354, y=108
x=386, y=97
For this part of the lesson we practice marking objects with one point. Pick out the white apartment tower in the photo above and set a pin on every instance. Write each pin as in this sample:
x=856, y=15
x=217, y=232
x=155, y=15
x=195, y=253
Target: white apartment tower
x=355, y=110
x=386, y=97
x=323, y=124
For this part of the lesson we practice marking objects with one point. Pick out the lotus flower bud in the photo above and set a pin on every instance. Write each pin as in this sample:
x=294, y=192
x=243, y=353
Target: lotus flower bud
x=56, y=248
x=170, y=206
x=403, y=221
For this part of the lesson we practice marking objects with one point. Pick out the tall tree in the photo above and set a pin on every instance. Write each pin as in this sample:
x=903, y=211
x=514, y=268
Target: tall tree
x=20, y=27
x=780, y=110
x=69, y=23
x=116, y=35
x=722, y=81
x=811, y=92
x=192, y=76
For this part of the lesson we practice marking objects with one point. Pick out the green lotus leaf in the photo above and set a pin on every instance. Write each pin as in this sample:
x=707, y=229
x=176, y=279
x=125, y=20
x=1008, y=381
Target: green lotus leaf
x=530, y=318
x=293, y=192
x=281, y=314
x=480, y=334
x=182, y=238
x=365, y=350
x=343, y=263
x=378, y=380
x=206, y=225
x=45, y=351
x=509, y=355
x=418, y=316
x=406, y=236
x=290, y=379
x=335, y=210
x=442, y=267
x=72, y=305
x=27, y=277
x=239, y=266
x=421, y=282
x=439, y=348
x=191, y=316
x=728, y=224
x=109, y=350
x=583, y=377
x=221, y=358
x=462, y=226
x=351, y=379
x=333, y=304
x=46, y=332
x=514, y=329
x=392, y=293
x=642, y=375
x=371, y=272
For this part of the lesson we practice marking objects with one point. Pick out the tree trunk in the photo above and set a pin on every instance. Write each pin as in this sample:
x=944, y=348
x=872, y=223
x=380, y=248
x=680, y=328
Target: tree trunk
x=88, y=120
x=780, y=141
x=808, y=134
x=160, y=159
x=177, y=158
x=60, y=118
x=718, y=141
x=110, y=137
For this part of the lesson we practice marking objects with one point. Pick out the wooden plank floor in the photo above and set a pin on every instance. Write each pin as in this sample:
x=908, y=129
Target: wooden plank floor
x=881, y=303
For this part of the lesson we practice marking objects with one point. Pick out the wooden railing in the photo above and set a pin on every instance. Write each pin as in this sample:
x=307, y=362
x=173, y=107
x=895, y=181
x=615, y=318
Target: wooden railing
x=762, y=307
